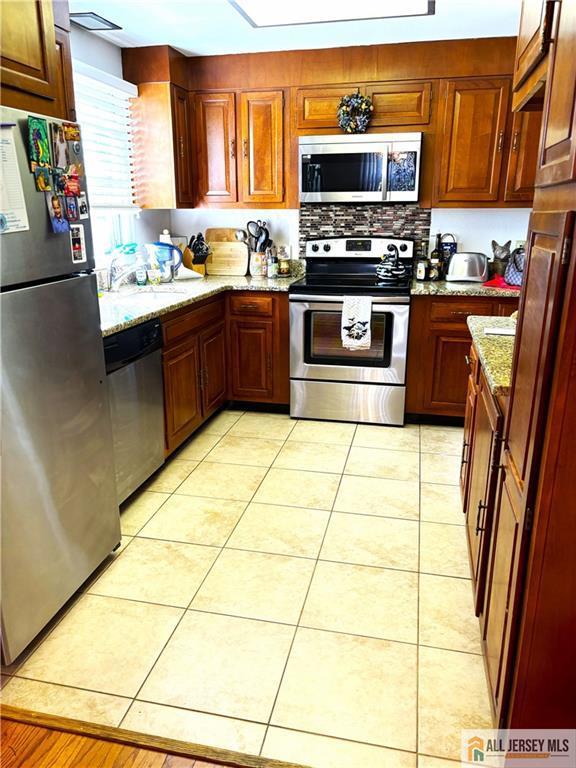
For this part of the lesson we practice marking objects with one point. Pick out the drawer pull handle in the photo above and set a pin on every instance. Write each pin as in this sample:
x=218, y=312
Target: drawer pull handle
x=467, y=361
x=464, y=446
x=481, y=506
x=249, y=306
x=459, y=314
x=515, y=141
x=500, y=141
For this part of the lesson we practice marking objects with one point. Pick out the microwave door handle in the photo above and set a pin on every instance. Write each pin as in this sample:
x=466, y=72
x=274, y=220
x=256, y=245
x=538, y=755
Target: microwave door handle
x=385, y=193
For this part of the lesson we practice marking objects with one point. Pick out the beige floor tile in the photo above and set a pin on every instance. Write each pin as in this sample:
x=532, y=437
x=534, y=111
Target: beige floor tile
x=274, y=426
x=223, y=481
x=221, y=423
x=60, y=700
x=441, y=504
x=443, y=550
x=103, y=644
x=280, y=530
x=316, y=457
x=328, y=752
x=425, y=761
x=296, y=488
x=256, y=585
x=452, y=696
x=233, y=449
x=195, y=727
x=374, y=462
x=445, y=440
x=164, y=572
x=222, y=665
x=136, y=512
x=199, y=445
x=440, y=469
x=405, y=438
x=112, y=557
x=365, y=540
x=171, y=475
x=351, y=687
x=195, y=520
x=378, y=496
x=334, y=432
x=447, y=617
x=378, y=602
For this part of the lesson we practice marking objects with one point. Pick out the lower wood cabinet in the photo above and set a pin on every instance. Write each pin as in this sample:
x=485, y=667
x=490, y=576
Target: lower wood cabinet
x=194, y=368
x=258, y=347
x=438, y=345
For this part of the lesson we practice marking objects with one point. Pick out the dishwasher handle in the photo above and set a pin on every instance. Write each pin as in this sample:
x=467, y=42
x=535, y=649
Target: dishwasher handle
x=125, y=347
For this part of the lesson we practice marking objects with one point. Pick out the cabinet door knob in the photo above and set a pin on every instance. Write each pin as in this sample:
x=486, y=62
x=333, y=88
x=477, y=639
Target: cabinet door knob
x=245, y=147
x=500, y=141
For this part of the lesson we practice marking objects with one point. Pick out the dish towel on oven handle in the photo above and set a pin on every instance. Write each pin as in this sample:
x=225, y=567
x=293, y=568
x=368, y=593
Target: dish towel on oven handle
x=356, y=316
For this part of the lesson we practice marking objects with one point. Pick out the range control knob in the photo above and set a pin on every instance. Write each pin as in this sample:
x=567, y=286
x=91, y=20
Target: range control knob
x=315, y=247
x=327, y=247
x=403, y=247
x=391, y=247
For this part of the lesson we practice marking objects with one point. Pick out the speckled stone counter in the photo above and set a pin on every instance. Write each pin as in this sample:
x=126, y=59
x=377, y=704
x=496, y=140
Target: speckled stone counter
x=442, y=288
x=132, y=305
x=494, y=352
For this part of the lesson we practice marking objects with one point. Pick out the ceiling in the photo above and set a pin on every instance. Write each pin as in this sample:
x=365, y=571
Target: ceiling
x=210, y=27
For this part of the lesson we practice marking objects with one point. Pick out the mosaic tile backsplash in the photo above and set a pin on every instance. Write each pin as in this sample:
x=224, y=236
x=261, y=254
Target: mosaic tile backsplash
x=340, y=220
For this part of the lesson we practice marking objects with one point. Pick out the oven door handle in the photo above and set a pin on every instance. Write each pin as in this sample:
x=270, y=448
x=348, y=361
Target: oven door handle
x=312, y=299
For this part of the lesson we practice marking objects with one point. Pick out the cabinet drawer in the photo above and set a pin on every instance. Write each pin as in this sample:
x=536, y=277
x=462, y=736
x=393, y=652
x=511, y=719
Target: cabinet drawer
x=457, y=312
x=262, y=306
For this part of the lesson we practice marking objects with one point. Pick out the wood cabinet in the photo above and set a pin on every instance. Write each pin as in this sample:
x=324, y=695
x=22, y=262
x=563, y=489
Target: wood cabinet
x=182, y=133
x=261, y=129
x=523, y=156
x=317, y=107
x=35, y=62
x=557, y=161
x=533, y=37
x=469, y=415
x=404, y=103
x=216, y=147
x=258, y=348
x=438, y=345
x=472, y=143
x=482, y=475
x=194, y=368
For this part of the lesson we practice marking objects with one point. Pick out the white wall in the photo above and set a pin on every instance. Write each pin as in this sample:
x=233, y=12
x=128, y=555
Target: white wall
x=283, y=224
x=475, y=228
x=94, y=50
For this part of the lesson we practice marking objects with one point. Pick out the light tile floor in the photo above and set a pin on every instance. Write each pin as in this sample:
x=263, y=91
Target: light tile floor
x=294, y=589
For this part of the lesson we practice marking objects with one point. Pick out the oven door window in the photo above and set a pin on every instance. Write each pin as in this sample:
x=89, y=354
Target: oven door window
x=323, y=341
x=343, y=172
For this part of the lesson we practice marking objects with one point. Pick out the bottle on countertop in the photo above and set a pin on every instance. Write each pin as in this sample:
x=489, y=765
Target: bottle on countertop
x=422, y=270
x=436, y=272
x=141, y=276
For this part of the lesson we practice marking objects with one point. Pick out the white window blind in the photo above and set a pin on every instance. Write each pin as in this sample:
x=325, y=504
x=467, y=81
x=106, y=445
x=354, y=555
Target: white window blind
x=103, y=111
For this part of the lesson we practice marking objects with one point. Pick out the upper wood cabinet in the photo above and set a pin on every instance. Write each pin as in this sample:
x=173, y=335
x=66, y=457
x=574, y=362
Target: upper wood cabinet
x=533, y=37
x=216, y=147
x=35, y=62
x=261, y=132
x=472, y=139
x=182, y=132
x=523, y=156
x=318, y=107
x=557, y=161
x=400, y=103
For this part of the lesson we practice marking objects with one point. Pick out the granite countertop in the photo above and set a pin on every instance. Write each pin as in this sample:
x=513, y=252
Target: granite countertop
x=132, y=305
x=443, y=288
x=494, y=352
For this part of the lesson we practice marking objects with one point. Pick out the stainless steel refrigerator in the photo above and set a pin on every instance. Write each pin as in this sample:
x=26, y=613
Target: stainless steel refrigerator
x=59, y=512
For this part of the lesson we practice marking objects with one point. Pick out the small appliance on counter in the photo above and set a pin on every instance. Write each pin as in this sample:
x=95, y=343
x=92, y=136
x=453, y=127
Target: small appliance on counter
x=467, y=267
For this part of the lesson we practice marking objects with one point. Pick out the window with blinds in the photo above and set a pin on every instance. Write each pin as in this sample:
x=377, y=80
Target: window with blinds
x=103, y=111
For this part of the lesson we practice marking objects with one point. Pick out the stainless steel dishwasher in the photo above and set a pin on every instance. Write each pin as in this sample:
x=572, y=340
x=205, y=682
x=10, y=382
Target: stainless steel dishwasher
x=134, y=369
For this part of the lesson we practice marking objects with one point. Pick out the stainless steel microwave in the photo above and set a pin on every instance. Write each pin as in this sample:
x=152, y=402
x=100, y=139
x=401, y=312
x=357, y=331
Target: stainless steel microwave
x=360, y=168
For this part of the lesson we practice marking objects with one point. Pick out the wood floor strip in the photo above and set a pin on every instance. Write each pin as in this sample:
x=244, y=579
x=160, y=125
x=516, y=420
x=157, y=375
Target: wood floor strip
x=46, y=741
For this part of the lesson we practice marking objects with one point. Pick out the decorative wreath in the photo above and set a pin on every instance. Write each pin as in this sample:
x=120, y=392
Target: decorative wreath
x=354, y=113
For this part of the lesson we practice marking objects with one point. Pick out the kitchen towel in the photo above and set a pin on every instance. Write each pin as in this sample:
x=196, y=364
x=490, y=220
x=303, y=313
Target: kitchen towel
x=356, y=315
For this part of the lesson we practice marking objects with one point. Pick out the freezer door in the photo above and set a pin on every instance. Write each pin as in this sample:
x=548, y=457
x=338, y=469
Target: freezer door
x=60, y=517
x=37, y=254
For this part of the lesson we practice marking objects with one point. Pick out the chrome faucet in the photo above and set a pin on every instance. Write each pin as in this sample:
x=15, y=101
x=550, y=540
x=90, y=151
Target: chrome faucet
x=117, y=277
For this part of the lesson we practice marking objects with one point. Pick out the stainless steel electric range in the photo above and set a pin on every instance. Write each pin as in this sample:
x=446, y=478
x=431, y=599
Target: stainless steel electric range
x=328, y=381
